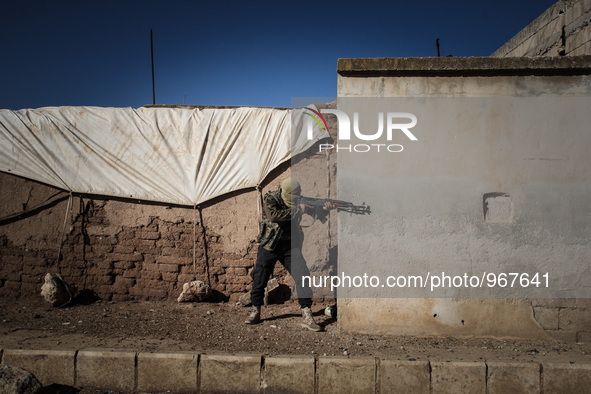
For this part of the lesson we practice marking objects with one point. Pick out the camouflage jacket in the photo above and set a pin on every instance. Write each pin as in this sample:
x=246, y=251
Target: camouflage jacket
x=278, y=221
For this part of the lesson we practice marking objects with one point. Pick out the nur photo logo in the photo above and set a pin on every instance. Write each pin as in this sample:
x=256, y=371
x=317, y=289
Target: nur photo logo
x=389, y=123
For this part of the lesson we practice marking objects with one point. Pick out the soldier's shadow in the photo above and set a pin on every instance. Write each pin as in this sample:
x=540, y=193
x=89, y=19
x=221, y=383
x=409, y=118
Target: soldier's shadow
x=282, y=294
x=281, y=317
x=322, y=323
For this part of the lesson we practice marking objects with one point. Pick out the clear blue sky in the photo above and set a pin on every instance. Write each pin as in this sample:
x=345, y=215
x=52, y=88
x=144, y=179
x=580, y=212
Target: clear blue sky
x=260, y=53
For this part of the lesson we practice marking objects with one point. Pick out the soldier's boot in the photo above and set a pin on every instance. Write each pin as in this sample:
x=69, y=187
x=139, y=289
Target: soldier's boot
x=308, y=320
x=255, y=315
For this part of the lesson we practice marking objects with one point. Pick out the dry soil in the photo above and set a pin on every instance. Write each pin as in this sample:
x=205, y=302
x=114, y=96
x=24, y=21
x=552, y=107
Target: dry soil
x=164, y=326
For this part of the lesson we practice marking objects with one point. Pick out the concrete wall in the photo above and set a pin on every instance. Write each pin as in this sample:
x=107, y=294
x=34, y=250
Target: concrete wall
x=562, y=30
x=430, y=202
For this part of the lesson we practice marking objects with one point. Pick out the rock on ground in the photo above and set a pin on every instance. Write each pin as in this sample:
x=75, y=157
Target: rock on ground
x=15, y=380
x=195, y=291
x=272, y=286
x=56, y=291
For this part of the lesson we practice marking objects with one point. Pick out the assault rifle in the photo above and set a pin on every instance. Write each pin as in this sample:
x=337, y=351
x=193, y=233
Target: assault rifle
x=339, y=204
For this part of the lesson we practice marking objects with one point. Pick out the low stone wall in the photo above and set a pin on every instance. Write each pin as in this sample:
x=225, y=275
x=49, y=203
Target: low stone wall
x=129, y=371
x=567, y=320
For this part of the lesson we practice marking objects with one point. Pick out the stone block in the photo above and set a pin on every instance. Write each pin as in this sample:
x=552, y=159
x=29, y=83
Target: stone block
x=150, y=275
x=170, y=260
x=123, y=249
x=235, y=288
x=346, y=375
x=106, y=369
x=34, y=280
x=511, y=377
x=404, y=376
x=240, y=271
x=160, y=372
x=176, y=252
x=564, y=336
x=35, y=270
x=126, y=257
x=583, y=303
x=566, y=378
x=14, y=276
x=147, y=235
x=131, y=273
x=229, y=373
x=239, y=280
x=244, y=263
x=288, y=374
x=145, y=246
x=174, y=268
x=576, y=319
x=458, y=377
x=49, y=366
x=584, y=337
x=547, y=317
x=11, y=286
x=169, y=277
x=28, y=288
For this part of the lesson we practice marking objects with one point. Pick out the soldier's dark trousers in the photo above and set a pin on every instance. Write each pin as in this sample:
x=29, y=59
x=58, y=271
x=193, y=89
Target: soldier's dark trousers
x=293, y=261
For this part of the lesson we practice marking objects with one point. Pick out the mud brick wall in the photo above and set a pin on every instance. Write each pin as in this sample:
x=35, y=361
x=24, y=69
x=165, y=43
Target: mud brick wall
x=126, y=250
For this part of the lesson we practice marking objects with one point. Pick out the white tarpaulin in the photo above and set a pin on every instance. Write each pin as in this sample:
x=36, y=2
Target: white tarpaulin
x=177, y=155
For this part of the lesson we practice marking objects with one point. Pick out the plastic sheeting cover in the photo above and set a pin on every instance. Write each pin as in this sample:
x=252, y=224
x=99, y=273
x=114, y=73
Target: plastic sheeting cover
x=176, y=155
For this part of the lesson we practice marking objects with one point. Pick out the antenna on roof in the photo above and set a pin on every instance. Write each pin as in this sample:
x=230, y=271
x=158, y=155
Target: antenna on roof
x=152, y=55
x=437, y=43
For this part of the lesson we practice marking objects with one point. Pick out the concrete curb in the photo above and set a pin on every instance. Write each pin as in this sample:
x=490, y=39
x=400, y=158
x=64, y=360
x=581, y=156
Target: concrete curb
x=130, y=371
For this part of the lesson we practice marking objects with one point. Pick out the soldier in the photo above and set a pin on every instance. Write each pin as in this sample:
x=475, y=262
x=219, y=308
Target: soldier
x=280, y=239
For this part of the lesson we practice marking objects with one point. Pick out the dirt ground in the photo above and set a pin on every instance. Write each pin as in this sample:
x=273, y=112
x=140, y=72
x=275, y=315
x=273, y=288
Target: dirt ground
x=31, y=323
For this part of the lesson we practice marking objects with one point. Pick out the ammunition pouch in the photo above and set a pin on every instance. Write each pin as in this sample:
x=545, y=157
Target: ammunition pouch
x=269, y=234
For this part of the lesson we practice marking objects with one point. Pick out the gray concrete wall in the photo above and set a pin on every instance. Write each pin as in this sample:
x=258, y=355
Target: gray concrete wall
x=497, y=182
x=562, y=30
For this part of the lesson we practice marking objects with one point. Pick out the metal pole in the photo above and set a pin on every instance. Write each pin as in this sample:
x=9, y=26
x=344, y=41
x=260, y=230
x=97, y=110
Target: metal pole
x=152, y=53
x=437, y=42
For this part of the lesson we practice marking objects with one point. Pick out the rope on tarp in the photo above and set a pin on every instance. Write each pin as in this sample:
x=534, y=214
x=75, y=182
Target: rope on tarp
x=59, y=277
x=28, y=210
x=195, y=242
x=59, y=250
x=204, y=245
x=259, y=202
